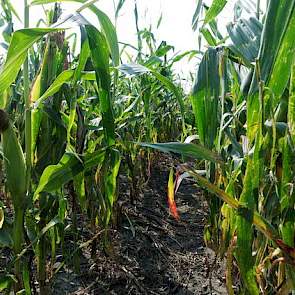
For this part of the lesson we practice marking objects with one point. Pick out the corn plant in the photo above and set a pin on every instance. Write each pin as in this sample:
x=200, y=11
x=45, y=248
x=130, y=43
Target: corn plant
x=243, y=105
x=65, y=129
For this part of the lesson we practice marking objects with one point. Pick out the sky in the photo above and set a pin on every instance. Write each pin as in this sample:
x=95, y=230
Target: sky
x=175, y=27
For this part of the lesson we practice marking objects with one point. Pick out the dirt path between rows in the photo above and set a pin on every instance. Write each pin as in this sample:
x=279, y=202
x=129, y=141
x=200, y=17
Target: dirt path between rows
x=152, y=253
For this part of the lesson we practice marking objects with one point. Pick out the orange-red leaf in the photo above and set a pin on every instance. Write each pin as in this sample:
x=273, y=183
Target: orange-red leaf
x=171, y=201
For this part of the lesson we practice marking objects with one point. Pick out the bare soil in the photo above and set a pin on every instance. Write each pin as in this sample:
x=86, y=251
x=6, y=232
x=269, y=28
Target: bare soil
x=151, y=252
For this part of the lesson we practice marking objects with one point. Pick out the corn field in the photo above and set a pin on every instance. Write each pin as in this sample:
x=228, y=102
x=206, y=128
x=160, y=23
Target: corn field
x=78, y=112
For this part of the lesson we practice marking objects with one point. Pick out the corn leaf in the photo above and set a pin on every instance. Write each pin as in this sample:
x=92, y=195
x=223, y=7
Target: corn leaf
x=15, y=167
x=260, y=222
x=100, y=58
x=55, y=176
x=83, y=56
x=277, y=50
x=215, y=8
x=210, y=39
x=245, y=232
x=205, y=97
x=6, y=281
x=187, y=149
x=245, y=35
x=62, y=78
x=171, y=193
x=291, y=107
x=133, y=69
x=21, y=41
x=112, y=165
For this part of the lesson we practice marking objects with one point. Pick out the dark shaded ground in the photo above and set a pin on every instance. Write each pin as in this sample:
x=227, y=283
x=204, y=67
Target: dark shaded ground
x=152, y=253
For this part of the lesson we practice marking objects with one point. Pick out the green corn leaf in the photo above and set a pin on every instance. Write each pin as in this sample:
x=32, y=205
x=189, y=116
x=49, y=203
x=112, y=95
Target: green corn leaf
x=79, y=184
x=215, y=8
x=53, y=222
x=187, y=149
x=110, y=34
x=277, y=50
x=55, y=176
x=279, y=74
x=36, y=117
x=26, y=279
x=112, y=166
x=83, y=56
x=291, y=107
x=205, y=97
x=21, y=41
x=287, y=193
x=88, y=76
x=119, y=7
x=40, y=85
x=72, y=116
x=208, y=36
x=62, y=78
x=15, y=167
x=171, y=86
x=100, y=57
x=245, y=232
x=6, y=282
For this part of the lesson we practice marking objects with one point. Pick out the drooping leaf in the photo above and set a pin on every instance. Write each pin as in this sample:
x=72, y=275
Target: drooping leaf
x=62, y=78
x=245, y=35
x=133, y=69
x=83, y=56
x=187, y=149
x=70, y=165
x=259, y=221
x=21, y=41
x=205, y=97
